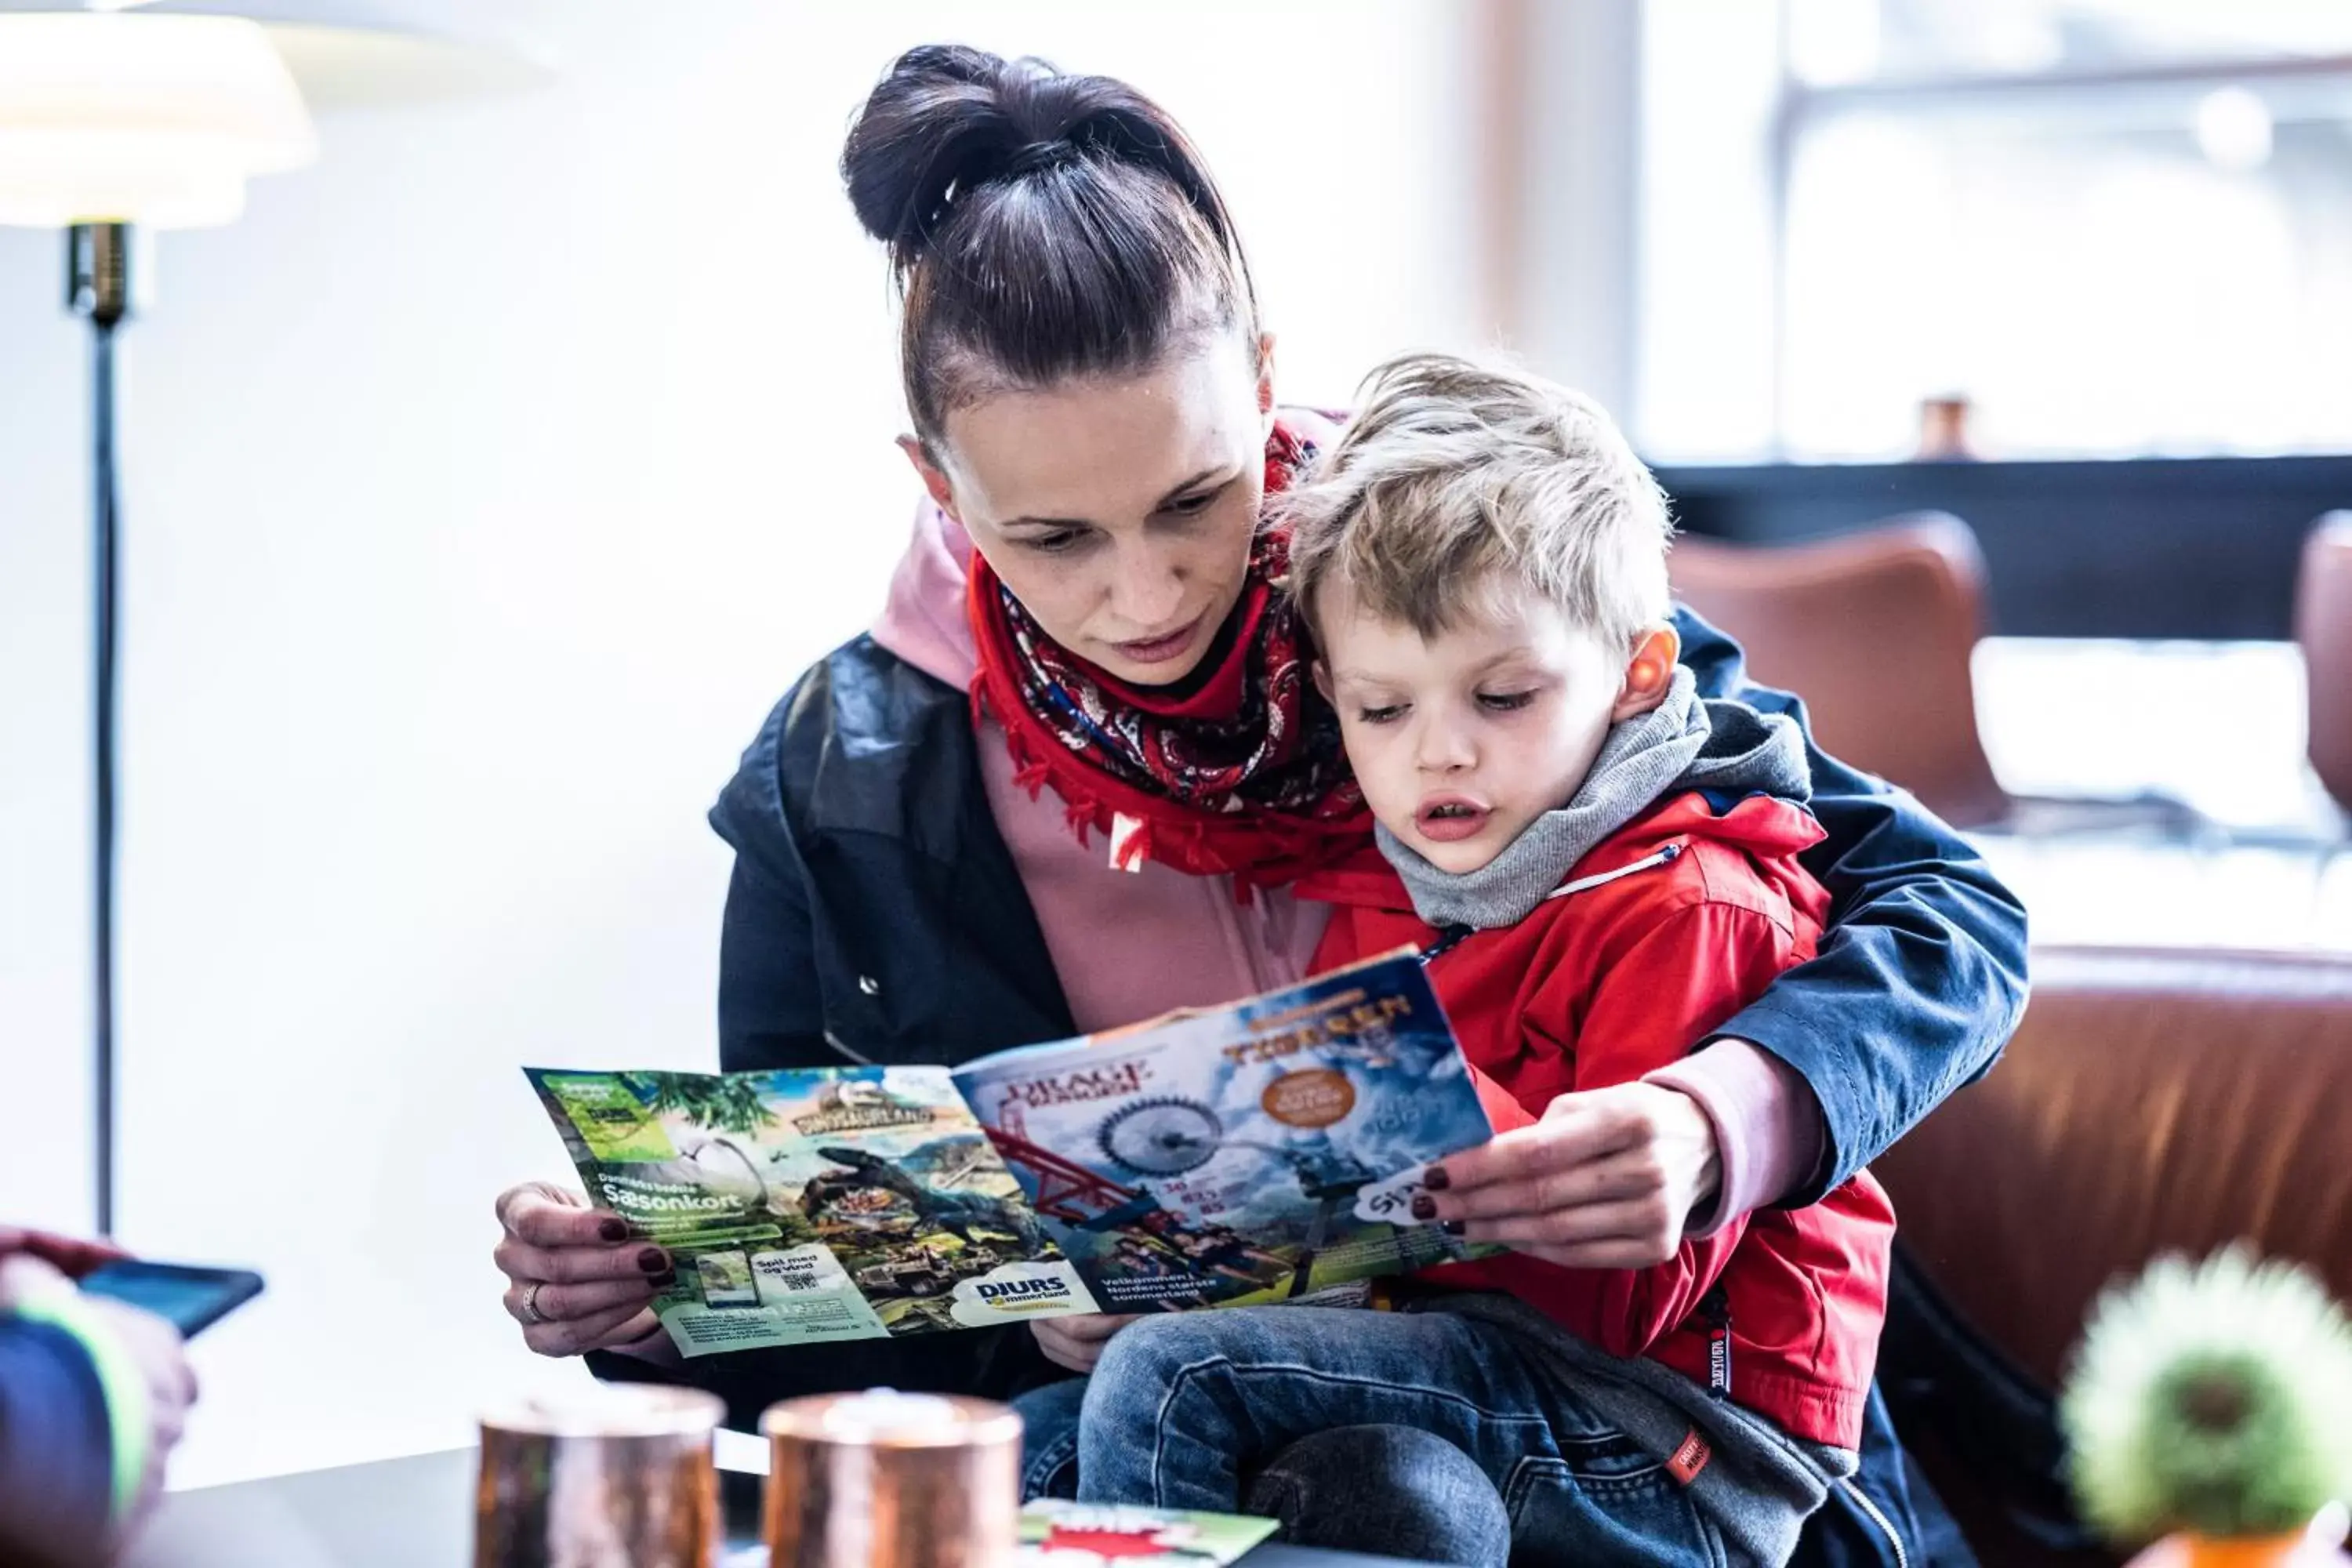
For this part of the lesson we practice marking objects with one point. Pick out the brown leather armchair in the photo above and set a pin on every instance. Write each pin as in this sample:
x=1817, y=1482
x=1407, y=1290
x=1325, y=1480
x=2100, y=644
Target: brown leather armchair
x=2151, y=1101
x=1874, y=630
x=2323, y=624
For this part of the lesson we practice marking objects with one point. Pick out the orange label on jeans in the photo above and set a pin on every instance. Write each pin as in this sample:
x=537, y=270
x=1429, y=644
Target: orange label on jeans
x=1689, y=1460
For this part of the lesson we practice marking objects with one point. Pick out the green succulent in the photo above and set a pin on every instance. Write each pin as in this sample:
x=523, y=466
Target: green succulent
x=2214, y=1397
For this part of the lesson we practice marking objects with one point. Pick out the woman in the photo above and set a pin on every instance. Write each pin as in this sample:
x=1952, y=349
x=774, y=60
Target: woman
x=1108, y=825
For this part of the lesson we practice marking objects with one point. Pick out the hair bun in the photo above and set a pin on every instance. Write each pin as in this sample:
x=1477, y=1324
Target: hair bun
x=937, y=124
x=1041, y=223
x=947, y=119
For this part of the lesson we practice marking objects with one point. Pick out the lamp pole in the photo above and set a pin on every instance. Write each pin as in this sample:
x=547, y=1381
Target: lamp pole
x=97, y=289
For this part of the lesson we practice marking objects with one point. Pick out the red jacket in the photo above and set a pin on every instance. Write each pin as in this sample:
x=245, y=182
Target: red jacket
x=1610, y=980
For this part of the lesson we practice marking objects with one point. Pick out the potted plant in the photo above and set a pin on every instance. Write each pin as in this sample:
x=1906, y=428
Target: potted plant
x=2208, y=1409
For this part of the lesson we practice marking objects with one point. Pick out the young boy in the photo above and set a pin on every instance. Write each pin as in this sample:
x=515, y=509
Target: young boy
x=1601, y=869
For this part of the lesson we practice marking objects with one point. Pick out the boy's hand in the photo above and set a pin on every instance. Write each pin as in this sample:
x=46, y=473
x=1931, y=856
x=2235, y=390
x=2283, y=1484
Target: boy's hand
x=1608, y=1179
x=1077, y=1343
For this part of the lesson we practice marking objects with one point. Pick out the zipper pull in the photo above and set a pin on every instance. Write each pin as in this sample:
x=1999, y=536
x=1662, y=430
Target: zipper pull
x=1447, y=941
x=1715, y=1307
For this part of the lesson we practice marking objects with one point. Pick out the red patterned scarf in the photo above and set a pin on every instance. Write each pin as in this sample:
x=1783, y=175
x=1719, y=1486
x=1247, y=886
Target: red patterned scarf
x=1243, y=775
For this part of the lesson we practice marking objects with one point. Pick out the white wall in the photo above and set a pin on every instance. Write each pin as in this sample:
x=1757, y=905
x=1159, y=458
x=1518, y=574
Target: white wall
x=1708, y=348
x=484, y=487
x=1578, y=291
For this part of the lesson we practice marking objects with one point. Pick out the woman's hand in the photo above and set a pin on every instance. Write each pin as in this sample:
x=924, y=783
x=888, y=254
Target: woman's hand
x=1607, y=1179
x=576, y=1281
x=1076, y=1343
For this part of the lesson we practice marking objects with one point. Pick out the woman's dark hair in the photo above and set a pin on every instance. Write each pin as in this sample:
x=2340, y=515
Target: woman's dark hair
x=1041, y=226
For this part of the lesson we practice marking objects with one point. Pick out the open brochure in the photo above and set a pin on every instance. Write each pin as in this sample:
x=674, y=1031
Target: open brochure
x=1267, y=1151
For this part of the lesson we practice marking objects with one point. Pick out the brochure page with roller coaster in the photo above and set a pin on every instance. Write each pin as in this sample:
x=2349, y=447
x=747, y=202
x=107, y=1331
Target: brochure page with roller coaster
x=1267, y=1151
x=1264, y=1152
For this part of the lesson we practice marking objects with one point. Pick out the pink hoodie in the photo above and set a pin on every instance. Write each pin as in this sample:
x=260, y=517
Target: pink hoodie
x=1129, y=945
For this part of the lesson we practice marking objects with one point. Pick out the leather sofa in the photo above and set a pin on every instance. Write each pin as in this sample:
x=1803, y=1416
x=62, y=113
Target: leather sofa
x=2152, y=1101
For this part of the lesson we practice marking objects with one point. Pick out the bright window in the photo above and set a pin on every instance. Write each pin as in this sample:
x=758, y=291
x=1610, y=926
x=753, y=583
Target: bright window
x=2115, y=229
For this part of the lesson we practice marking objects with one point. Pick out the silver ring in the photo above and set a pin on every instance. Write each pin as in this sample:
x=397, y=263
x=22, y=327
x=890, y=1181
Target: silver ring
x=531, y=1316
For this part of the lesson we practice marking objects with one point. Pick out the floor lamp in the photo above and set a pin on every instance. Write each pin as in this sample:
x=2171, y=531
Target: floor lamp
x=121, y=117
x=110, y=123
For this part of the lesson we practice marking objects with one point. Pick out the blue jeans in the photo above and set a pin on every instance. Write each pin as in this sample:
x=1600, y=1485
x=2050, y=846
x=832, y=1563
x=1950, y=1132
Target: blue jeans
x=1184, y=1410
x=1378, y=1488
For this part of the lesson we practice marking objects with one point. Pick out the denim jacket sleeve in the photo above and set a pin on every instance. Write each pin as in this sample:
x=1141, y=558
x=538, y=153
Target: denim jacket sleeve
x=1920, y=978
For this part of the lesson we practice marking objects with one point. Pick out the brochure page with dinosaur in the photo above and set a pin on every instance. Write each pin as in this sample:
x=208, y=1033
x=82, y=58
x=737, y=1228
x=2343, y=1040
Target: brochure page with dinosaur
x=809, y=1207
x=1267, y=1151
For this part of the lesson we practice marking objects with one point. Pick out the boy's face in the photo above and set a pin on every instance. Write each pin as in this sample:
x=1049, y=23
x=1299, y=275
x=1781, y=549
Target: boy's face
x=1462, y=739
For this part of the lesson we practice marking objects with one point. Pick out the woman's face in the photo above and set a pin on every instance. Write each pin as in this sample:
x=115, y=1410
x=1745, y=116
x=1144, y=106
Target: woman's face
x=1120, y=510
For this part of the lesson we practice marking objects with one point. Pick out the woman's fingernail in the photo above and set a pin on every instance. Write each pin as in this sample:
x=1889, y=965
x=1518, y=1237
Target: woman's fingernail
x=653, y=1261
x=1453, y=1228
x=1435, y=1179
x=1423, y=1207
x=665, y=1279
x=613, y=1229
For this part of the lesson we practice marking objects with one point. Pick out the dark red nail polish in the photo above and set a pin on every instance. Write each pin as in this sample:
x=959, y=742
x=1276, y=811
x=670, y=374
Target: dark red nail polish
x=1453, y=1228
x=664, y=1281
x=1423, y=1207
x=1435, y=1179
x=653, y=1261
x=613, y=1229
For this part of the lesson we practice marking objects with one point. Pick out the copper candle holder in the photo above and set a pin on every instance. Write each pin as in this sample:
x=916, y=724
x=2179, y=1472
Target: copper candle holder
x=891, y=1480
x=618, y=1476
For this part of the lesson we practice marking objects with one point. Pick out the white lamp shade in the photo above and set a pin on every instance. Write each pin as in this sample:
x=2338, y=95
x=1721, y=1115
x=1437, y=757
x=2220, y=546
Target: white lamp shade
x=154, y=119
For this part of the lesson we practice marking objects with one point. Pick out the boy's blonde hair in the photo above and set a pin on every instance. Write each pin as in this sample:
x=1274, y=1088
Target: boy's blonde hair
x=1455, y=475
